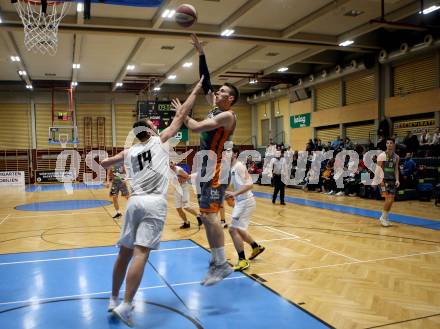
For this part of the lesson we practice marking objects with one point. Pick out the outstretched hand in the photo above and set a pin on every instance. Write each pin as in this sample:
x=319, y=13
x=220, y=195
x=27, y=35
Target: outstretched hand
x=197, y=44
x=175, y=103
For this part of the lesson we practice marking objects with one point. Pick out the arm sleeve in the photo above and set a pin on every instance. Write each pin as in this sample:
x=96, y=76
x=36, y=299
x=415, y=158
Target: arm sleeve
x=203, y=70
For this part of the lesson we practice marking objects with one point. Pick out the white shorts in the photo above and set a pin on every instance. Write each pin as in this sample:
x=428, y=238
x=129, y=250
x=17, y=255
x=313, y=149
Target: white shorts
x=181, y=200
x=241, y=215
x=144, y=220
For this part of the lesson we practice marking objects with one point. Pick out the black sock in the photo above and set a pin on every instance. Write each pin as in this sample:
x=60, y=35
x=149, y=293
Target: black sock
x=241, y=255
x=254, y=245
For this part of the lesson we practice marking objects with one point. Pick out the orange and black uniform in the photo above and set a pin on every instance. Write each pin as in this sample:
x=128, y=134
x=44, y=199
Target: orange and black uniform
x=212, y=193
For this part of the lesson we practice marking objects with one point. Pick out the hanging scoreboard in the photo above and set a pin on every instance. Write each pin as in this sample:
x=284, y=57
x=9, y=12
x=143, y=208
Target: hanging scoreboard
x=160, y=113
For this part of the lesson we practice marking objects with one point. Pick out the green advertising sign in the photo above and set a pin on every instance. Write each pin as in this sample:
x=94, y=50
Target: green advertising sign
x=300, y=120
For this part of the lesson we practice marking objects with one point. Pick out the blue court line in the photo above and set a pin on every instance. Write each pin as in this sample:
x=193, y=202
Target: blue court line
x=73, y=292
x=63, y=205
x=404, y=219
x=59, y=187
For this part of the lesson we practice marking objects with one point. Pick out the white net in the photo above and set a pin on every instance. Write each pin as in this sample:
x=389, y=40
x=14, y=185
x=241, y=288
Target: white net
x=41, y=29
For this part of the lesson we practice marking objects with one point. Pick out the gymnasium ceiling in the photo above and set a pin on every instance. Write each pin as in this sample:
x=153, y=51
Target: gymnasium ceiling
x=302, y=35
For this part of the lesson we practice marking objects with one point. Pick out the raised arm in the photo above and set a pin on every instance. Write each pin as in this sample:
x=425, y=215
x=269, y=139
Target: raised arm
x=224, y=119
x=203, y=70
x=118, y=158
x=182, y=110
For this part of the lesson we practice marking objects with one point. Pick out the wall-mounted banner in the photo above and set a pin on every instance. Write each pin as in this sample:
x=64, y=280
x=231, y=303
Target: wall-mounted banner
x=11, y=178
x=300, y=120
x=50, y=176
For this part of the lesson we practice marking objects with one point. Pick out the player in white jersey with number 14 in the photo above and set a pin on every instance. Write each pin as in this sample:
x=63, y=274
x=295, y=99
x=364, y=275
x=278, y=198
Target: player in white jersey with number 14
x=147, y=165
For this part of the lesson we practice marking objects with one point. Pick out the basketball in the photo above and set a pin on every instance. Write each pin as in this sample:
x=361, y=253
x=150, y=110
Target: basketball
x=230, y=201
x=186, y=15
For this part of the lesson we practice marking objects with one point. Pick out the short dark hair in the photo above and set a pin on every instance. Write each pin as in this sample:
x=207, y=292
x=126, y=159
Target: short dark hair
x=233, y=92
x=236, y=150
x=144, y=134
x=391, y=139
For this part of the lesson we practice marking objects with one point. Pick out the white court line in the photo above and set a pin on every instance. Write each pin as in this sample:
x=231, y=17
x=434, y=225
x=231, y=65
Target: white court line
x=61, y=214
x=305, y=241
x=41, y=300
x=36, y=301
x=312, y=244
x=350, y=263
x=111, y=254
x=4, y=219
x=84, y=257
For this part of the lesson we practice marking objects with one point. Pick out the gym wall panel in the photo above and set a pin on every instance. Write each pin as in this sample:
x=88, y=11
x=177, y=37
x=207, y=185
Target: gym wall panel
x=328, y=95
x=327, y=134
x=345, y=114
x=415, y=76
x=282, y=109
x=299, y=138
x=301, y=107
x=125, y=116
x=263, y=113
x=360, y=89
x=361, y=133
x=94, y=111
x=15, y=129
x=243, y=130
x=422, y=102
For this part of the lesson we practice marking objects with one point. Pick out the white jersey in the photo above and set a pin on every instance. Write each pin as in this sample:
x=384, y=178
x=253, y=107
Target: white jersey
x=239, y=178
x=147, y=166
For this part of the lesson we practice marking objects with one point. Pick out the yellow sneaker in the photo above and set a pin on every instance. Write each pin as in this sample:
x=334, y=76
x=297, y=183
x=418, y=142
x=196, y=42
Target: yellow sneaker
x=241, y=265
x=256, y=251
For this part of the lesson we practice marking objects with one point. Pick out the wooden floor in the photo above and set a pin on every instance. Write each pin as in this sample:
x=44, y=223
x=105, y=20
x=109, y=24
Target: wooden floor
x=345, y=269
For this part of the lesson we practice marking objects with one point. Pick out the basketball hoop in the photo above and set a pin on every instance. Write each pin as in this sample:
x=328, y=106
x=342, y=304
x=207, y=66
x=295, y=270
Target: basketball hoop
x=41, y=20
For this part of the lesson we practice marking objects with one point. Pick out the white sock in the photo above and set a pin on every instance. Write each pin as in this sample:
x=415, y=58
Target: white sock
x=220, y=257
x=126, y=305
x=385, y=214
x=213, y=255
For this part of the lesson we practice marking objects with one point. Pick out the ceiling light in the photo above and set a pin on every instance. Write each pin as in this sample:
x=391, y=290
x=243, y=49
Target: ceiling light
x=76, y=66
x=22, y=72
x=29, y=87
x=156, y=88
x=253, y=81
x=171, y=13
x=429, y=10
x=346, y=43
x=130, y=67
x=187, y=64
x=227, y=33
x=165, y=13
x=15, y=58
x=172, y=77
x=79, y=7
x=119, y=84
x=0, y=19
x=74, y=83
x=283, y=69
x=353, y=13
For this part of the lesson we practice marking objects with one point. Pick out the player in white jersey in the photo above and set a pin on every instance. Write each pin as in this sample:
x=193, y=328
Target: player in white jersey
x=181, y=196
x=241, y=183
x=147, y=166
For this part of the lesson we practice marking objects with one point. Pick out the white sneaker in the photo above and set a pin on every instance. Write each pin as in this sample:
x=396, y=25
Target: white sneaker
x=384, y=222
x=220, y=272
x=340, y=193
x=112, y=304
x=331, y=193
x=124, y=311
